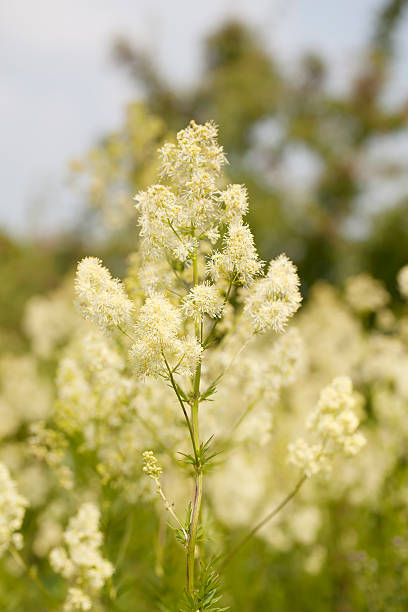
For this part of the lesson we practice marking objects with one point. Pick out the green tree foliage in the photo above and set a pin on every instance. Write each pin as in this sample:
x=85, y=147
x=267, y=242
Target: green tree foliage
x=248, y=93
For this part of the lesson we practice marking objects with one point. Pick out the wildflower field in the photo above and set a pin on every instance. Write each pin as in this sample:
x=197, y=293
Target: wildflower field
x=204, y=390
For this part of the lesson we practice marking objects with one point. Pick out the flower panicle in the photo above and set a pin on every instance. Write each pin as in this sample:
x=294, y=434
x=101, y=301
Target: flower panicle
x=335, y=424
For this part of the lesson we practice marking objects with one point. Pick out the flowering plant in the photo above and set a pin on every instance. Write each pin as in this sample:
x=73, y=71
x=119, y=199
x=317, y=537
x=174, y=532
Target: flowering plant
x=167, y=391
x=198, y=297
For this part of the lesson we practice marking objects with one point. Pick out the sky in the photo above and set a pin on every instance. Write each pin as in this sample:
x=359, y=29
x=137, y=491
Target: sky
x=60, y=90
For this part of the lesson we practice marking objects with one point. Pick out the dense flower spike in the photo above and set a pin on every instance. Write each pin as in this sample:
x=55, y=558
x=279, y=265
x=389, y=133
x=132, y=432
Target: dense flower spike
x=12, y=510
x=203, y=299
x=335, y=424
x=173, y=217
x=235, y=200
x=91, y=383
x=157, y=340
x=197, y=151
x=80, y=561
x=99, y=297
x=274, y=299
x=238, y=260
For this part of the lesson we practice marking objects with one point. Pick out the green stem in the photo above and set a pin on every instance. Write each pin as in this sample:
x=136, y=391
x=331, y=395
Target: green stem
x=168, y=507
x=230, y=364
x=244, y=415
x=32, y=574
x=198, y=493
x=160, y=546
x=125, y=333
x=259, y=525
x=173, y=384
x=125, y=540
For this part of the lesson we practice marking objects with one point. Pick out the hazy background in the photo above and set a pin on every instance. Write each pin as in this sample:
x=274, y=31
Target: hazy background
x=60, y=89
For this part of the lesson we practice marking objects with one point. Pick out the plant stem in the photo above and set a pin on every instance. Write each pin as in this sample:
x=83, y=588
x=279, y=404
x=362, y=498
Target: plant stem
x=243, y=416
x=230, y=364
x=160, y=546
x=198, y=493
x=173, y=384
x=125, y=333
x=258, y=526
x=168, y=507
x=125, y=540
x=32, y=574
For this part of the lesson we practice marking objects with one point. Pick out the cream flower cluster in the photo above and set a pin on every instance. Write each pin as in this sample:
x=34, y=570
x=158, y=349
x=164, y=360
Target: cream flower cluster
x=235, y=200
x=197, y=151
x=25, y=395
x=274, y=299
x=151, y=466
x=175, y=276
x=203, y=299
x=12, y=510
x=146, y=276
x=91, y=383
x=173, y=217
x=335, y=424
x=178, y=221
x=282, y=362
x=264, y=378
x=76, y=599
x=99, y=297
x=365, y=293
x=80, y=561
x=157, y=340
x=49, y=320
x=50, y=446
x=402, y=279
x=239, y=258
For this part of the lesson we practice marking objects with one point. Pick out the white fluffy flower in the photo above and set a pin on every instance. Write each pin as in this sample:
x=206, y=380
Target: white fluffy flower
x=203, y=299
x=188, y=205
x=157, y=340
x=309, y=458
x=77, y=600
x=274, y=299
x=99, y=297
x=197, y=148
x=334, y=419
x=235, y=200
x=12, y=510
x=335, y=424
x=80, y=561
x=159, y=214
x=239, y=259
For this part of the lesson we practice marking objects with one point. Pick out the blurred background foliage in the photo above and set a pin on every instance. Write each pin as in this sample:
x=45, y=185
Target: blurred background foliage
x=304, y=153
x=309, y=159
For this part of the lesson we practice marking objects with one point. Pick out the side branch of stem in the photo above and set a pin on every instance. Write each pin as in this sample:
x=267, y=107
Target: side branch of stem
x=263, y=522
x=173, y=384
x=32, y=574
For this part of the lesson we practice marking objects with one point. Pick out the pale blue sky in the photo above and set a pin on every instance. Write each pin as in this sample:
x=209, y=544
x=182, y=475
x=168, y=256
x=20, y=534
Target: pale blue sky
x=59, y=90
